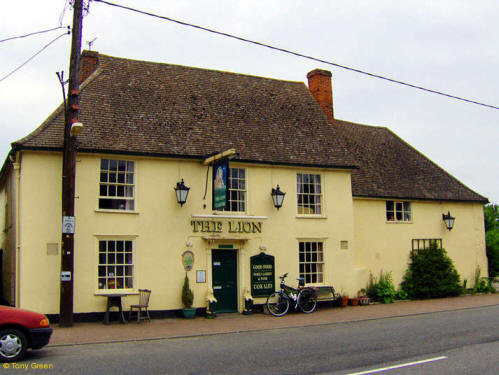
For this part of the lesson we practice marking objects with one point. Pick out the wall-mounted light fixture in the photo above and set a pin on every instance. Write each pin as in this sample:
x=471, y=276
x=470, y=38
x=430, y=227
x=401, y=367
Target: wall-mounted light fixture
x=76, y=128
x=448, y=220
x=277, y=197
x=182, y=191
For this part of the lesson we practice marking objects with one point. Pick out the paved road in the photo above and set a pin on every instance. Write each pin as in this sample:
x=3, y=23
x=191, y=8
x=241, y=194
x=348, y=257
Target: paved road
x=468, y=338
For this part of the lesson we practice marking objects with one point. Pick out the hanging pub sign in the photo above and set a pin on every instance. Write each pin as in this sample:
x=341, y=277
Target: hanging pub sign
x=262, y=275
x=220, y=184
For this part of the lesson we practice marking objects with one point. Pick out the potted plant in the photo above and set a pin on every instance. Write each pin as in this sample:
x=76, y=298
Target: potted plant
x=363, y=298
x=343, y=299
x=353, y=301
x=187, y=300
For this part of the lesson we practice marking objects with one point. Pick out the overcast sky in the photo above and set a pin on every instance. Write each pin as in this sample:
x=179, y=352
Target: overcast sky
x=447, y=45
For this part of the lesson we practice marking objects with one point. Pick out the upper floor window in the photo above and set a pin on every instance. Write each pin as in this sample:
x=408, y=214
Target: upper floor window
x=309, y=194
x=398, y=211
x=117, y=185
x=237, y=190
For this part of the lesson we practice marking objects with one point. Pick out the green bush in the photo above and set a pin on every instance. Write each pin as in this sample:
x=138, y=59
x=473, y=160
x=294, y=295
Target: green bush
x=431, y=274
x=187, y=295
x=382, y=289
x=482, y=284
x=491, y=215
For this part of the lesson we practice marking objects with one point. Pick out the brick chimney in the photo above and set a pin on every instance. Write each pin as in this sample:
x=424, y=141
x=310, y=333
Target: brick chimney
x=319, y=84
x=88, y=64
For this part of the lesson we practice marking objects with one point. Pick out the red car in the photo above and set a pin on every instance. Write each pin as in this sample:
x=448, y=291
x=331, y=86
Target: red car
x=20, y=330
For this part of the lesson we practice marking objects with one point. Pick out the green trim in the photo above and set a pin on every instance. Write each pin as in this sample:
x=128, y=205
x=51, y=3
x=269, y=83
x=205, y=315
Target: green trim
x=222, y=246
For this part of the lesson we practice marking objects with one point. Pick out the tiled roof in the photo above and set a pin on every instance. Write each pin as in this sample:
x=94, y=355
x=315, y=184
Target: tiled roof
x=144, y=108
x=139, y=107
x=391, y=168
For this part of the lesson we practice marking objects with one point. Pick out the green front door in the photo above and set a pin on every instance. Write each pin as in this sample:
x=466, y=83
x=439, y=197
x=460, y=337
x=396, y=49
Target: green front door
x=224, y=271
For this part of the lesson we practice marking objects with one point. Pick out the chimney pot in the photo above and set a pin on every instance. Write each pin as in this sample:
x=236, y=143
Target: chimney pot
x=320, y=85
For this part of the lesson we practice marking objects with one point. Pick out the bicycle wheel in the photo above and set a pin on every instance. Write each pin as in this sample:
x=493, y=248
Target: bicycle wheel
x=277, y=304
x=307, y=301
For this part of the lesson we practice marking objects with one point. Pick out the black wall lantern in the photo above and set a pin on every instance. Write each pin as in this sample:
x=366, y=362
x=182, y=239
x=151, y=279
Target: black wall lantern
x=182, y=191
x=277, y=197
x=448, y=220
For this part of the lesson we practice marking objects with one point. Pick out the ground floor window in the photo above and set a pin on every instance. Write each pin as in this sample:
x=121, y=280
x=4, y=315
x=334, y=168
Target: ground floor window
x=311, y=261
x=115, y=267
x=426, y=243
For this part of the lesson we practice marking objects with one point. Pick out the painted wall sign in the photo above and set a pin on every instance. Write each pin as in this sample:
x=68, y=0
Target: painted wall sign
x=220, y=187
x=262, y=275
x=207, y=226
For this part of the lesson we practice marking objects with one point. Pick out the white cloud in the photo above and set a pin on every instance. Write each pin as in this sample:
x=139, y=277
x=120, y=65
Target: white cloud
x=449, y=46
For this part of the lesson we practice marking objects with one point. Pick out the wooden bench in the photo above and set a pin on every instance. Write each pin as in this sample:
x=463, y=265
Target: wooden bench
x=325, y=293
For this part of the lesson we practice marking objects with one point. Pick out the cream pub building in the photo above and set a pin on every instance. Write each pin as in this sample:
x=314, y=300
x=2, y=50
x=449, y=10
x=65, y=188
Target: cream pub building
x=358, y=199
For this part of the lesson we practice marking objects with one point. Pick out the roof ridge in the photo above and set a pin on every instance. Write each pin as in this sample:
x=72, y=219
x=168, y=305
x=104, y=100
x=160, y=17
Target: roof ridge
x=198, y=68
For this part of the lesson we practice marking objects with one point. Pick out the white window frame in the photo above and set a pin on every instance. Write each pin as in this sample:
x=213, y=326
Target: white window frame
x=400, y=212
x=307, y=196
x=122, y=271
x=311, y=261
x=239, y=191
x=119, y=185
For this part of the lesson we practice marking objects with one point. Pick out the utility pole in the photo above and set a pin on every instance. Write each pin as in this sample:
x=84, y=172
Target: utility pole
x=68, y=172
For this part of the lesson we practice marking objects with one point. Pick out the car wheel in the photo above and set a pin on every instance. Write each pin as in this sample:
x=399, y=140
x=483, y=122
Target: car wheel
x=13, y=345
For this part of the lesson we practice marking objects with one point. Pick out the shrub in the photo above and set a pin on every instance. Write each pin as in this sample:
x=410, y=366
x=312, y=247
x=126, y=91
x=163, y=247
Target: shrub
x=382, y=289
x=187, y=295
x=491, y=216
x=482, y=284
x=431, y=274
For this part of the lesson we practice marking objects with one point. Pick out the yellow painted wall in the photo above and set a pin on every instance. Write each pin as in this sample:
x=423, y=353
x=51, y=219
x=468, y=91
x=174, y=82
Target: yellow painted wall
x=161, y=229
x=8, y=236
x=382, y=245
x=40, y=223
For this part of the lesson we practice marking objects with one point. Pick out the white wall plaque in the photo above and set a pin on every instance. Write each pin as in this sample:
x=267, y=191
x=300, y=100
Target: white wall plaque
x=68, y=224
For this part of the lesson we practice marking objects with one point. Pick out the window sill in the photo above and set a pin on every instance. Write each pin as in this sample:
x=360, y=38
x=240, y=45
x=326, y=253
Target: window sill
x=117, y=211
x=306, y=216
x=117, y=292
x=399, y=222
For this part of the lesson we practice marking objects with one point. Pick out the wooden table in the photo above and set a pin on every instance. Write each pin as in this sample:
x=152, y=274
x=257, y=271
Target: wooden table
x=114, y=300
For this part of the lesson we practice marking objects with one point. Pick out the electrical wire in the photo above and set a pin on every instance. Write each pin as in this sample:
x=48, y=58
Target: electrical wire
x=34, y=33
x=32, y=57
x=298, y=54
x=63, y=13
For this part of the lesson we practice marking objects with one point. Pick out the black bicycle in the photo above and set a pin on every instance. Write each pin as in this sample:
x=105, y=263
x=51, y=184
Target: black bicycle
x=303, y=298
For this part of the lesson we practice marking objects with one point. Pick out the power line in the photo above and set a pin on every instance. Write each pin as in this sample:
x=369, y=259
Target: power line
x=34, y=33
x=298, y=54
x=63, y=13
x=32, y=57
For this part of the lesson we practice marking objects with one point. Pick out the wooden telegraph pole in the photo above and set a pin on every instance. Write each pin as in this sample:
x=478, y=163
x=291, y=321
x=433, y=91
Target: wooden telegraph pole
x=68, y=173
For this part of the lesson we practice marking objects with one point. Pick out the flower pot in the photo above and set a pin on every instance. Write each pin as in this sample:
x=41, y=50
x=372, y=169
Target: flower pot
x=364, y=301
x=343, y=301
x=353, y=301
x=189, y=313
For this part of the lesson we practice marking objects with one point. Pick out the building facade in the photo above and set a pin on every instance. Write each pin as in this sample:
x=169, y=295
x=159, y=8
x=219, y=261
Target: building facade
x=357, y=198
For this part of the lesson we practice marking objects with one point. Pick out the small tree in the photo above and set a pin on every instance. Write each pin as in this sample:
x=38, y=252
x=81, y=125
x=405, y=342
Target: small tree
x=491, y=215
x=187, y=295
x=431, y=274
